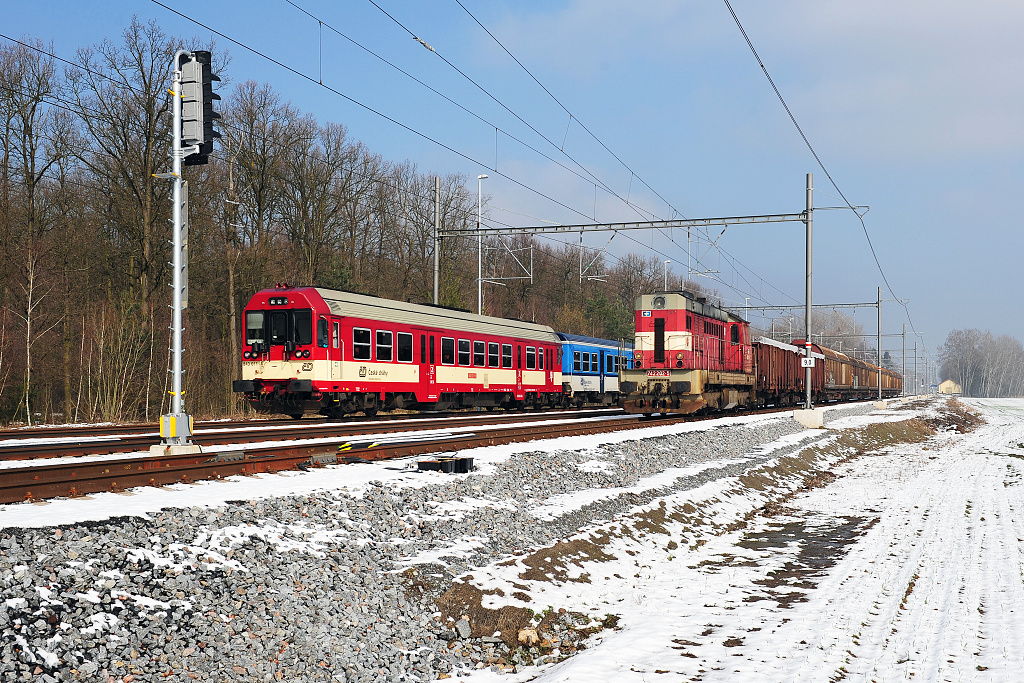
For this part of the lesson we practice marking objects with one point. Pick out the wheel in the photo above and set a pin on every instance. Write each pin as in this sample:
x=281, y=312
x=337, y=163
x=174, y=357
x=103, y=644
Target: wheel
x=370, y=412
x=295, y=416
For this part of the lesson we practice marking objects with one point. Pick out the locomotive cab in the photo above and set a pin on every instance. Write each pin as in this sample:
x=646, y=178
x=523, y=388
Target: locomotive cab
x=688, y=355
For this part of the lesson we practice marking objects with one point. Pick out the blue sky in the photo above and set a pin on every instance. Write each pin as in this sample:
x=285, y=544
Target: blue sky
x=915, y=108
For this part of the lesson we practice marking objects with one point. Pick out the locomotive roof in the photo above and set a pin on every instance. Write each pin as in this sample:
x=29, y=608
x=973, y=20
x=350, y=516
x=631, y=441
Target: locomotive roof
x=592, y=341
x=376, y=308
x=685, y=300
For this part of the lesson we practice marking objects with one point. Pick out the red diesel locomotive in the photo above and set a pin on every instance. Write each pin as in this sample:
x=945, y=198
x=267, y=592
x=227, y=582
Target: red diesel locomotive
x=690, y=355
x=308, y=349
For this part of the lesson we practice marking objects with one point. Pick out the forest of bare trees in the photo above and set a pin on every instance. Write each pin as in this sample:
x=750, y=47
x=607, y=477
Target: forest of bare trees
x=85, y=226
x=983, y=365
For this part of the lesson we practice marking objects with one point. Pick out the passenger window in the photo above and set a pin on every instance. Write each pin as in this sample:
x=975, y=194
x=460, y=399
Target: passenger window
x=531, y=358
x=540, y=358
x=447, y=351
x=385, y=341
x=404, y=347
x=595, y=364
x=479, y=354
x=360, y=344
x=464, y=352
x=492, y=354
x=585, y=367
x=506, y=355
x=576, y=361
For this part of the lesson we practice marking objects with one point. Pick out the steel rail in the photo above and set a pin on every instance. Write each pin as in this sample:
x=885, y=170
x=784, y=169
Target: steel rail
x=224, y=433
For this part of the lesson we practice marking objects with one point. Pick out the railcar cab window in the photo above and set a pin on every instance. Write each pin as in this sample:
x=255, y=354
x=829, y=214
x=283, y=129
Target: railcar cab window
x=735, y=334
x=479, y=354
x=447, y=351
x=464, y=354
x=385, y=342
x=531, y=358
x=506, y=355
x=335, y=335
x=302, y=330
x=254, y=328
x=492, y=354
x=361, y=344
x=279, y=327
x=321, y=332
x=404, y=347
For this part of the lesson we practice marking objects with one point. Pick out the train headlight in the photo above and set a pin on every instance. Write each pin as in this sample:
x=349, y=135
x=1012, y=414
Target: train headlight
x=305, y=354
x=679, y=356
x=247, y=355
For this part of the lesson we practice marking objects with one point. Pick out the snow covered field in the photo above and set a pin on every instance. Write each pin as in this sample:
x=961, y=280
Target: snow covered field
x=908, y=566
x=884, y=547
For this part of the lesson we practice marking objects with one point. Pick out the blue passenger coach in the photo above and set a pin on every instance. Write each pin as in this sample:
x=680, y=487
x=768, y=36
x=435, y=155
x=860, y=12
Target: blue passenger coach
x=590, y=368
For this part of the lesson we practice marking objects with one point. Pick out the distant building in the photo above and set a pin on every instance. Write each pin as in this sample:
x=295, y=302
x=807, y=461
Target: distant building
x=950, y=387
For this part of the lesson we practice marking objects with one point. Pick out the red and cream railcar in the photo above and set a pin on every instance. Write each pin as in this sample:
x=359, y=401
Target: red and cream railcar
x=687, y=355
x=324, y=351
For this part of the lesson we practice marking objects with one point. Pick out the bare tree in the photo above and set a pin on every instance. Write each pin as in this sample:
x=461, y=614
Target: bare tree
x=121, y=97
x=29, y=80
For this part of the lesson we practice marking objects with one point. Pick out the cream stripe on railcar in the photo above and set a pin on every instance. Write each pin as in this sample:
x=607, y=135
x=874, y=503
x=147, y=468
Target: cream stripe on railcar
x=400, y=312
x=451, y=374
x=533, y=378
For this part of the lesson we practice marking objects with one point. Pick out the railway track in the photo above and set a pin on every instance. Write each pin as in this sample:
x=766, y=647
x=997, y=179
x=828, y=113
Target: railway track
x=64, y=442
x=41, y=481
x=329, y=444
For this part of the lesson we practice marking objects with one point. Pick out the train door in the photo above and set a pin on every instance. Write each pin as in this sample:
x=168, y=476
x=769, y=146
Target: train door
x=431, y=368
x=519, y=371
x=336, y=350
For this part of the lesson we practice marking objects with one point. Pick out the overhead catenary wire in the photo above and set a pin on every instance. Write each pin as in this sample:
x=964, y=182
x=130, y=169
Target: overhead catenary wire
x=593, y=179
x=572, y=116
x=821, y=164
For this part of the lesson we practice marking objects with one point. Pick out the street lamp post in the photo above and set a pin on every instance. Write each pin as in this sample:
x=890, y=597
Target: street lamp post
x=667, y=261
x=479, y=247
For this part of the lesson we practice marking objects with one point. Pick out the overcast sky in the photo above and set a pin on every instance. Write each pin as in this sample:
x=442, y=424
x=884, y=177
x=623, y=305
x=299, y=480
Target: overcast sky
x=915, y=108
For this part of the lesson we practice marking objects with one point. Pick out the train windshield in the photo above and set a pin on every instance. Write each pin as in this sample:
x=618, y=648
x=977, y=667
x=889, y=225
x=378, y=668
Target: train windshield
x=254, y=327
x=280, y=327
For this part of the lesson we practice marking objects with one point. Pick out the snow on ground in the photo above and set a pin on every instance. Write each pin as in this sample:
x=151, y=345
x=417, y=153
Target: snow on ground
x=907, y=567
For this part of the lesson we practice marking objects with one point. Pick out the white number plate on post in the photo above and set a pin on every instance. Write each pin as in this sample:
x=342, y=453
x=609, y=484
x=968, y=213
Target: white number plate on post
x=807, y=362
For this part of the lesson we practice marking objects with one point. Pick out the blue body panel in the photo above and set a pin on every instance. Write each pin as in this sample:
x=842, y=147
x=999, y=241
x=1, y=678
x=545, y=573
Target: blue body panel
x=589, y=364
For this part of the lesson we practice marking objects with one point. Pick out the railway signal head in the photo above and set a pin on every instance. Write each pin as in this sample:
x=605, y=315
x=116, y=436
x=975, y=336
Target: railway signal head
x=197, y=98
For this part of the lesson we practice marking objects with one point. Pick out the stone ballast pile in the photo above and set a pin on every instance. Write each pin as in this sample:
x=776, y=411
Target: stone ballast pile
x=315, y=587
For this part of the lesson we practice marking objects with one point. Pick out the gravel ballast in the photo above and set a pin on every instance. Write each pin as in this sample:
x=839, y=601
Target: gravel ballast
x=319, y=587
